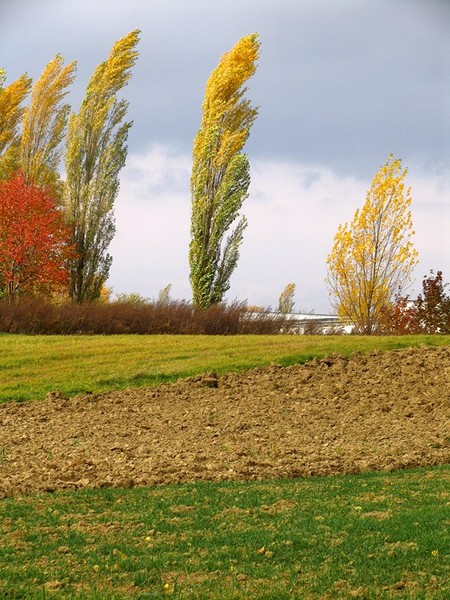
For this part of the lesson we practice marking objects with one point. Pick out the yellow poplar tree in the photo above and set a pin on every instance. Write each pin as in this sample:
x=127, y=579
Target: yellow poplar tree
x=11, y=112
x=373, y=257
x=286, y=299
x=220, y=174
x=95, y=153
x=44, y=125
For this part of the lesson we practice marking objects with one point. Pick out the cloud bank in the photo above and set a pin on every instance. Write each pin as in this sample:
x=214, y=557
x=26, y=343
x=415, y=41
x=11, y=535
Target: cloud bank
x=293, y=211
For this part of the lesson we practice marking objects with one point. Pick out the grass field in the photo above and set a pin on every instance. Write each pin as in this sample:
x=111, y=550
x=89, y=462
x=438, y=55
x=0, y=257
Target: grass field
x=375, y=535
x=31, y=366
x=361, y=536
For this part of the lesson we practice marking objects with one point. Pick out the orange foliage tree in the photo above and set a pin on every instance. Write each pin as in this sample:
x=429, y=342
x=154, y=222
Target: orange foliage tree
x=34, y=247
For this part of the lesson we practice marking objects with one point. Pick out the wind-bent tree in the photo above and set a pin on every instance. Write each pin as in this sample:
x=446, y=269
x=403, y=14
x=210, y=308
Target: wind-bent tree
x=286, y=299
x=96, y=152
x=372, y=258
x=44, y=125
x=220, y=174
x=34, y=240
x=11, y=112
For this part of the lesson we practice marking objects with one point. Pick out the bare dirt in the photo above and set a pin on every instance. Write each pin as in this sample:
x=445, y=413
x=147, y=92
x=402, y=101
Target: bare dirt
x=380, y=411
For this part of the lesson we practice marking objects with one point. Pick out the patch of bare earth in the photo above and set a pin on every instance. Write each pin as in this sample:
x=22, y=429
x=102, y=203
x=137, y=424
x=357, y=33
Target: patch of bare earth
x=381, y=411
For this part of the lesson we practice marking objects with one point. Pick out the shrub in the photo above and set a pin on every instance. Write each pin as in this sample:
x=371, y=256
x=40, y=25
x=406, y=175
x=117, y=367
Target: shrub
x=428, y=313
x=40, y=316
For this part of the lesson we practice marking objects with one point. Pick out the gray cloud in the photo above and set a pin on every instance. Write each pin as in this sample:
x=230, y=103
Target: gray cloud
x=339, y=82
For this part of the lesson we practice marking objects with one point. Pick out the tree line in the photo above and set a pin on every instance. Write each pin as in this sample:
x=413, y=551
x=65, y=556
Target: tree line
x=62, y=227
x=55, y=232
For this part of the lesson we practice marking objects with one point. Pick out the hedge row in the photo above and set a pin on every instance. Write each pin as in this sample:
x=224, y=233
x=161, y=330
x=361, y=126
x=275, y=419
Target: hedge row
x=174, y=317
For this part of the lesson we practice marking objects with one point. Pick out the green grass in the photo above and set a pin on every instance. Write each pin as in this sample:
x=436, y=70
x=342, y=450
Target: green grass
x=31, y=366
x=366, y=536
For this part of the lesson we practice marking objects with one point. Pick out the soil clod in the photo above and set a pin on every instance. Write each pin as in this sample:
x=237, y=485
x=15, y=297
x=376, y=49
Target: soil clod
x=380, y=411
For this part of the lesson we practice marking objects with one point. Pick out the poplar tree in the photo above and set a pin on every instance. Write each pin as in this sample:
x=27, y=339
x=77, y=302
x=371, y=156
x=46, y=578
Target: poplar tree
x=11, y=113
x=220, y=174
x=286, y=299
x=44, y=126
x=373, y=257
x=95, y=153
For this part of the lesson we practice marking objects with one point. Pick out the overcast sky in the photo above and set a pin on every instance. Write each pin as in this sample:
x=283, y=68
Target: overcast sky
x=341, y=84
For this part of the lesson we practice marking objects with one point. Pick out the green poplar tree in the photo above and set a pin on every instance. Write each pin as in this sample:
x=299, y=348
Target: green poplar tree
x=96, y=151
x=220, y=174
x=286, y=299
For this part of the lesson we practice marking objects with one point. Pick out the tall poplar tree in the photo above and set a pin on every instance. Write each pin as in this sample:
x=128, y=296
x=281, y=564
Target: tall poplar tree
x=96, y=151
x=286, y=299
x=11, y=113
x=220, y=174
x=44, y=125
x=373, y=257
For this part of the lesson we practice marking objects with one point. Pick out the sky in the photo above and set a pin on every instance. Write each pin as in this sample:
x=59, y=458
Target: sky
x=340, y=85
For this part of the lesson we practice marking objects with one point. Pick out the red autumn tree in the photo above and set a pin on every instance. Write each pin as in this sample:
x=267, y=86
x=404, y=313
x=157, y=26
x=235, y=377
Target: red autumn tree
x=400, y=318
x=428, y=313
x=34, y=246
x=433, y=305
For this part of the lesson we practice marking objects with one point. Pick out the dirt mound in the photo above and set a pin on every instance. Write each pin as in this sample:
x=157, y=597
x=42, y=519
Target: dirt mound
x=379, y=411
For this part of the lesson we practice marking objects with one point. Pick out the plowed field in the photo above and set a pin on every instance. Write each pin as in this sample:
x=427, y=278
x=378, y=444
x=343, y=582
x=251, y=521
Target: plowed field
x=380, y=411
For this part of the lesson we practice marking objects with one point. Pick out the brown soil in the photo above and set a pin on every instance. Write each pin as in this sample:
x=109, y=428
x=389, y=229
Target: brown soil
x=381, y=411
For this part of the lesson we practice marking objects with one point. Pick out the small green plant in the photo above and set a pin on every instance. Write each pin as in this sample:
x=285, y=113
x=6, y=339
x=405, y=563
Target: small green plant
x=133, y=298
